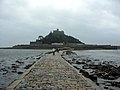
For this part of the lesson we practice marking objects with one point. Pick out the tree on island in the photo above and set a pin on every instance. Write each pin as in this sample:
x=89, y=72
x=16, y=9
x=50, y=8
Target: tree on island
x=40, y=37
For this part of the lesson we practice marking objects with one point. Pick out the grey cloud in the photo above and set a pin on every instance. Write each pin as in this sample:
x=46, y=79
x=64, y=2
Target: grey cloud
x=95, y=23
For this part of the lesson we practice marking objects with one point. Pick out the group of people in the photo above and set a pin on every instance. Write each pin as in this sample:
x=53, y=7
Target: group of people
x=55, y=50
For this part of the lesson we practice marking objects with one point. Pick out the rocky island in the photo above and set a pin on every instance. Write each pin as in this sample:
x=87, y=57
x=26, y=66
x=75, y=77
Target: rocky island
x=58, y=39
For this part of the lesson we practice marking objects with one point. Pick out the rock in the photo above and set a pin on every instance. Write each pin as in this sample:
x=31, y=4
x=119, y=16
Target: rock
x=99, y=73
x=117, y=84
x=108, y=68
x=68, y=53
x=118, y=68
x=3, y=69
x=93, y=77
x=26, y=58
x=85, y=67
x=76, y=67
x=80, y=62
x=38, y=58
x=74, y=59
x=113, y=83
x=108, y=84
x=4, y=73
x=14, y=66
x=94, y=66
x=97, y=83
x=85, y=73
x=108, y=71
x=69, y=61
x=87, y=61
x=96, y=60
x=105, y=87
x=19, y=62
x=14, y=71
x=20, y=72
x=28, y=66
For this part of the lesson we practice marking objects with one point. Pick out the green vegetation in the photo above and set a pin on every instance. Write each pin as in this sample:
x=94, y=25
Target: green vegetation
x=59, y=37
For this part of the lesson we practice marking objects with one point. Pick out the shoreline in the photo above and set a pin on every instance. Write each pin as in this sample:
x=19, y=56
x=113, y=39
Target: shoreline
x=75, y=47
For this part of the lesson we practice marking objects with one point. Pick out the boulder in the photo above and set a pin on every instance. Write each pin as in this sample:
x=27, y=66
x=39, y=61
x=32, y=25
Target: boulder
x=20, y=72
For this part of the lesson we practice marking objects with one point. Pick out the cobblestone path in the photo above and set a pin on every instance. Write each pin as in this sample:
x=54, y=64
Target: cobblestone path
x=53, y=73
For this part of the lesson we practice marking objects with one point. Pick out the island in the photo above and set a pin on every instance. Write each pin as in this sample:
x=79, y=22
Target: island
x=58, y=39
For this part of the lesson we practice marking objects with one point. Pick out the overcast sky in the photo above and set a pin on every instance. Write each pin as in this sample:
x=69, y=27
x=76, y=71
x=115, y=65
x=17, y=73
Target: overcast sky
x=91, y=21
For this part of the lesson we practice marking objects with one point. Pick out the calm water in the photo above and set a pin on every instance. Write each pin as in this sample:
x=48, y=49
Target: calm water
x=9, y=57
x=103, y=55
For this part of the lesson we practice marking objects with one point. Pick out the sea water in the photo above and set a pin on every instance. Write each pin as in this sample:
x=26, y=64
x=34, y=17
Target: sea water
x=9, y=58
x=100, y=56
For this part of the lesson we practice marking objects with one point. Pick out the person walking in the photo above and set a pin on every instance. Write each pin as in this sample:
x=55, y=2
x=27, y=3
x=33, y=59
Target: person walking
x=53, y=50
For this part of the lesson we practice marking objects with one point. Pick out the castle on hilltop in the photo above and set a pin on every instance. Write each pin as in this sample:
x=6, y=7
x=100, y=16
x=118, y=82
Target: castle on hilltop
x=56, y=37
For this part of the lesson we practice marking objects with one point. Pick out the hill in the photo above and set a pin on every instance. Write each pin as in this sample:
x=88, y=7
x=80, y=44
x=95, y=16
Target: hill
x=58, y=37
